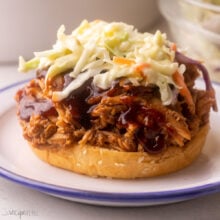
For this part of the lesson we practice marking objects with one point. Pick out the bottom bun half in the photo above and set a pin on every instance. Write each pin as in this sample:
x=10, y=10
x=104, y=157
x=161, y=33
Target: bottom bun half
x=97, y=161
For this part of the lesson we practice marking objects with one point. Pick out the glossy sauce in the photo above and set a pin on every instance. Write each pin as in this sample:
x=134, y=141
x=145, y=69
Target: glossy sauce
x=82, y=100
x=77, y=103
x=149, y=121
x=29, y=106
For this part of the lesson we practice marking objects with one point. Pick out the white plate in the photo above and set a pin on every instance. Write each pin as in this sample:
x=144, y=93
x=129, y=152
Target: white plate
x=19, y=164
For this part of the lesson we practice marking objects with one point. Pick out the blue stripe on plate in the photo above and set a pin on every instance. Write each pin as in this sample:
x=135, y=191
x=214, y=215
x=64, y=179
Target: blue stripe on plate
x=3, y=89
x=112, y=197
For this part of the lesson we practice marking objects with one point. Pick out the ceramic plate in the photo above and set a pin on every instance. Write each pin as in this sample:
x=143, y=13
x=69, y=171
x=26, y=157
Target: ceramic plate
x=19, y=164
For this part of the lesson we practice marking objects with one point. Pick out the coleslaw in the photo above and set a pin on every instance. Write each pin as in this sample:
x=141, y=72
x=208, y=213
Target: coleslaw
x=106, y=52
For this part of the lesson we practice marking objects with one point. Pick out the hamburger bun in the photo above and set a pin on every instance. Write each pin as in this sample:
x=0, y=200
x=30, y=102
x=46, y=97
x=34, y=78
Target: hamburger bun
x=100, y=162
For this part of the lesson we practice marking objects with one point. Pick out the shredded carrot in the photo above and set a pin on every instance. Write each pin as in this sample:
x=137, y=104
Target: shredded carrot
x=122, y=60
x=184, y=91
x=173, y=47
x=142, y=66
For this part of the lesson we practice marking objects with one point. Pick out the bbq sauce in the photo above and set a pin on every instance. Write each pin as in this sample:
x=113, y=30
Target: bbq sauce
x=149, y=122
x=78, y=105
x=29, y=105
x=82, y=100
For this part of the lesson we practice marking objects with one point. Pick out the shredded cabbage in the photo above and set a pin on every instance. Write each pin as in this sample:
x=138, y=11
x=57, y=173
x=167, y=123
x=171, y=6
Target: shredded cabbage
x=91, y=48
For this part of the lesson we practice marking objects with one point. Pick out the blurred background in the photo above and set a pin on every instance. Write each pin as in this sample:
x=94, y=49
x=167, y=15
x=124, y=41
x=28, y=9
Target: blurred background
x=29, y=25
x=195, y=26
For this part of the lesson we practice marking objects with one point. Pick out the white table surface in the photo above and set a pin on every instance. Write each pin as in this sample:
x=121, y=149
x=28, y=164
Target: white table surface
x=18, y=202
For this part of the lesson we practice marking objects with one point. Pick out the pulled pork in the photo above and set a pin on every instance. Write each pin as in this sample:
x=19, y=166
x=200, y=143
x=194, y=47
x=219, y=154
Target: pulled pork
x=125, y=117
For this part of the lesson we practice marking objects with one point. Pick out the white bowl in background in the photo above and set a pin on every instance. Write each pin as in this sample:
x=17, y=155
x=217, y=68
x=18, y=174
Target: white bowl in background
x=30, y=25
x=194, y=25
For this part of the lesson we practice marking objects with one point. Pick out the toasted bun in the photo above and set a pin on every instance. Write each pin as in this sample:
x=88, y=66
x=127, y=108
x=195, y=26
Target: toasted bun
x=96, y=161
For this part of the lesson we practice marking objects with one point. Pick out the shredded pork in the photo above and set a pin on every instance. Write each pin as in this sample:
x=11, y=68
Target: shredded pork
x=124, y=118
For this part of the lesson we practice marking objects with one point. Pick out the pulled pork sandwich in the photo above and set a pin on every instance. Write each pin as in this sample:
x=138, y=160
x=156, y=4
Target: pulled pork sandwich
x=110, y=101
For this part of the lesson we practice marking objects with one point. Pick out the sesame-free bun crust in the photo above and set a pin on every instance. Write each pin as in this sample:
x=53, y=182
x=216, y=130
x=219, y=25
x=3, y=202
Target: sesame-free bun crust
x=97, y=161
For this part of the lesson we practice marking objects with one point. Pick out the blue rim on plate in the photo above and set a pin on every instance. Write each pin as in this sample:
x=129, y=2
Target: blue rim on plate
x=5, y=88
x=93, y=196
x=112, y=197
